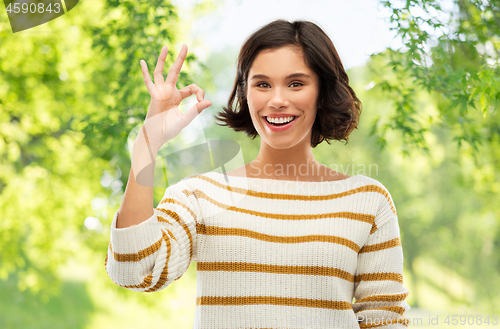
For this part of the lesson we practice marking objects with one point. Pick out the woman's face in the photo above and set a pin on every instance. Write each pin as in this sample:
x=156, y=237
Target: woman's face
x=274, y=92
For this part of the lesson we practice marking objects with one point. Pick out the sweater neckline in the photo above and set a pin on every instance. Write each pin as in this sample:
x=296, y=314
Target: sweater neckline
x=277, y=186
x=281, y=181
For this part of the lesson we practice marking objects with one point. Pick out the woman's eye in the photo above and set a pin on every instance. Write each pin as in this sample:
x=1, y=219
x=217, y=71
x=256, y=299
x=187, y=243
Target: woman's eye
x=294, y=83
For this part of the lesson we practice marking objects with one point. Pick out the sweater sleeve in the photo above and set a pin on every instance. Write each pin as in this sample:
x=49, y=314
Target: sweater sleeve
x=149, y=256
x=378, y=285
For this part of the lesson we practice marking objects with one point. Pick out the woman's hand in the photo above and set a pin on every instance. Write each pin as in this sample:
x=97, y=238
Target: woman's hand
x=163, y=120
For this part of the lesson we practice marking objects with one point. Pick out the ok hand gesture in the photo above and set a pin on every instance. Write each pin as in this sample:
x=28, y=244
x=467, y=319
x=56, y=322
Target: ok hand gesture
x=163, y=120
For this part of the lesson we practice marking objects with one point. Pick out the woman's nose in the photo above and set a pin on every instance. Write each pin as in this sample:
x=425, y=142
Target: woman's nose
x=278, y=98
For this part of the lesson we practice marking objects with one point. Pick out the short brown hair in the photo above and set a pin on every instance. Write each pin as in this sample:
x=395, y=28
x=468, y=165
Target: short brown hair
x=338, y=107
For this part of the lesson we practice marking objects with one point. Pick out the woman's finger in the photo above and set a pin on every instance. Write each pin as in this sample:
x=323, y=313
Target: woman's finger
x=196, y=109
x=192, y=89
x=160, y=64
x=147, y=78
x=175, y=69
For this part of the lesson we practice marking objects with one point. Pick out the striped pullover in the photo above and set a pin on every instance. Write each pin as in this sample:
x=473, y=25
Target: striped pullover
x=271, y=253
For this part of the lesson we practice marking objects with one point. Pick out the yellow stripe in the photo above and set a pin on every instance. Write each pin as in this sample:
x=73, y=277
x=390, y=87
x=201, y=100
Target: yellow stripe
x=163, y=219
x=365, y=188
x=148, y=280
x=176, y=217
x=222, y=231
x=350, y=215
x=170, y=234
x=396, y=309
x=145, y=283
x=379, y=277
x=173, y=201
x=136, y=256
x=383, y=298
x=381, y=246
x=271, y=300
x=164, y=273
x=277, y=269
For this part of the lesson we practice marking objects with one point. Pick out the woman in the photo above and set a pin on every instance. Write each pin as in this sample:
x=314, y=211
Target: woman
x=275, y=247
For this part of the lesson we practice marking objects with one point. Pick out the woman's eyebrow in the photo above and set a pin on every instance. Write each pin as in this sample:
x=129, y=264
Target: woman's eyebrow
x=295, y=75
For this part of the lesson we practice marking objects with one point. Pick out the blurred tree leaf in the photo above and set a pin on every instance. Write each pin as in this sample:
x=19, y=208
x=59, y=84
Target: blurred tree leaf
x=456, y=60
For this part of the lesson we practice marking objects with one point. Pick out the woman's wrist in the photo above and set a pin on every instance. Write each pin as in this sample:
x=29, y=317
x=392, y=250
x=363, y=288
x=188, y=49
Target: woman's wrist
x=143, y=161
x=142, y=142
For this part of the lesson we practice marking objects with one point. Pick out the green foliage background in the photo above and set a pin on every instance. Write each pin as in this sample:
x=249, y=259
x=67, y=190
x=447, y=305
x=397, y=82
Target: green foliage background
x=71, y=92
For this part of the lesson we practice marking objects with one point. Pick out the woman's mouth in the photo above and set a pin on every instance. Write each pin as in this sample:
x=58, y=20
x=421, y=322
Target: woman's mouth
x=279, y=124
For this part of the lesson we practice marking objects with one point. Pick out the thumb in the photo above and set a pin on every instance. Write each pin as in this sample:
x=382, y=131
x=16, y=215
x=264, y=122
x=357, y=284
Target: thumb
x=196, y=109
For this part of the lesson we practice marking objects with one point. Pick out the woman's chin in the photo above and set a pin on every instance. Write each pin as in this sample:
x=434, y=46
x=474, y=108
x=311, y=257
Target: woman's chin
x=281, y=144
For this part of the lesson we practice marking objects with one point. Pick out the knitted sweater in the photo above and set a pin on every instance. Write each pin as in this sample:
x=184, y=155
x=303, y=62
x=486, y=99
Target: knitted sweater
x=271, y=253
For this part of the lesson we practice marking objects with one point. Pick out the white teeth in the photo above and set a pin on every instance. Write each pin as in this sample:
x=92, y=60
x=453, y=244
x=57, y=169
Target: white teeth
x=279, y=120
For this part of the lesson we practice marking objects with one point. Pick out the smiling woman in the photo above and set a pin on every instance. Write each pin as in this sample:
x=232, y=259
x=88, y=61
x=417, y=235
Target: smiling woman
x=308, y=57
x=274, y=249
x=291, y=71
x=292, y=98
